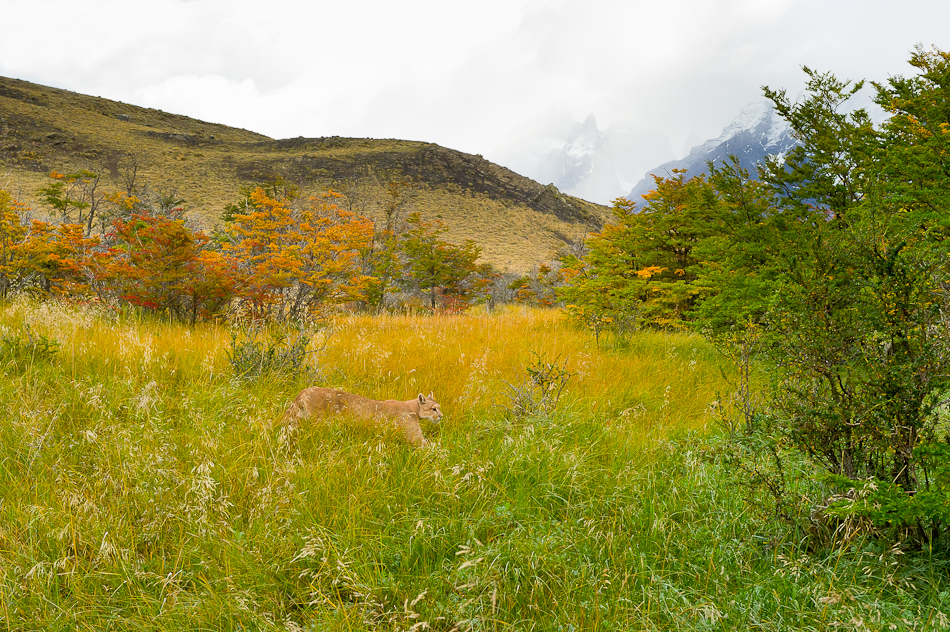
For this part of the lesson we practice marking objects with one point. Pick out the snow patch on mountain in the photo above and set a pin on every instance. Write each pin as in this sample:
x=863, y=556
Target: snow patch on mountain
x=758, y=131
x=580, y=159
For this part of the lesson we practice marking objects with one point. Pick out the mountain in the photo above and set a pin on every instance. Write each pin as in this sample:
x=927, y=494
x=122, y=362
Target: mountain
x=582, y=165
x=757, y=132
x=580, y=159
x=517, y=221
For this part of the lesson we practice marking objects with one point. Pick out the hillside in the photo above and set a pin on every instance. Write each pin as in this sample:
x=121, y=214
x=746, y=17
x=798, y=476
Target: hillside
x=517, y=221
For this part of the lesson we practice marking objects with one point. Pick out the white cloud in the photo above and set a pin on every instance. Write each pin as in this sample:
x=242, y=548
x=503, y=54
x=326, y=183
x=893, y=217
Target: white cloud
x=473, y=76
x=206, y=97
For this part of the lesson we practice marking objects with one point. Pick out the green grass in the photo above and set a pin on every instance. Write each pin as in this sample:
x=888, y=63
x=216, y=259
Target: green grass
x=143, y=488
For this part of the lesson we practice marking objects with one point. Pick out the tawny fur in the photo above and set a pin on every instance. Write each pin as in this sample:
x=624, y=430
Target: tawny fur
x=318, y=401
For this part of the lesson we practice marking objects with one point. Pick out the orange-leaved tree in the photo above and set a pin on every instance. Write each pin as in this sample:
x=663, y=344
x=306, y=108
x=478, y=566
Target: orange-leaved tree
x=299, y=259
x=12, y=232
x=158, y=263
x=539, y=286
x=56, y=260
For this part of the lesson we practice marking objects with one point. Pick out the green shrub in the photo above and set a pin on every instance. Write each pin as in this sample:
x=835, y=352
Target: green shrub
x=259, y=350
x=891, y=511
x=27, y=346
x=541, y=390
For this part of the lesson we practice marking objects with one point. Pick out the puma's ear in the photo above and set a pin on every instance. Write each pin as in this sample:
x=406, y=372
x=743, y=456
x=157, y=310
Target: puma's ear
x=422, y=398
x=431, y=396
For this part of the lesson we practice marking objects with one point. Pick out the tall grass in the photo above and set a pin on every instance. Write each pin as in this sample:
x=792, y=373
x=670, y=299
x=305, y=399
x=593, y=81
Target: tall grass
x=469, y=360
x=142, y=486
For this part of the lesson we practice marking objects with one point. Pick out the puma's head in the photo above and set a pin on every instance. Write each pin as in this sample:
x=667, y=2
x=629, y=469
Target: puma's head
x=429, y=408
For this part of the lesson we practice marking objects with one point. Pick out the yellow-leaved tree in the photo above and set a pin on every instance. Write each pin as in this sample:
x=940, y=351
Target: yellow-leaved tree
x=12, y=232
x=299, y=258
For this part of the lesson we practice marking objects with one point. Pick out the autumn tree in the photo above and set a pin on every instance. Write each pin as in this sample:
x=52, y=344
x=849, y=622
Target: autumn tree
x=42, y=258
x=639, y=269
x=275, y=188
x=438, y=268
x=12, y=232
x=539, y=286
x=301, y=259
x=159, y=264
x=56, y=260
x=698, y=253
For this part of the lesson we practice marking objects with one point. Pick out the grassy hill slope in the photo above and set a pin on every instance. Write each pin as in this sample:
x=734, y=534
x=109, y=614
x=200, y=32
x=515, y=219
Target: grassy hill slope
x=517, y=221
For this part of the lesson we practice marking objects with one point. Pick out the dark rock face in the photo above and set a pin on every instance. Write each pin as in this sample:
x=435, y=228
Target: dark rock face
x=422, y=162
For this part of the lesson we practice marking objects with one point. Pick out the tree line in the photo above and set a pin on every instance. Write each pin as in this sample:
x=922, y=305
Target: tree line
x=833, y=265
x=277, y=255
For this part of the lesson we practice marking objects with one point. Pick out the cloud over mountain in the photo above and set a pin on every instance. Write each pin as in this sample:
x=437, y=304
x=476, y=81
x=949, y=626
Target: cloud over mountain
x=757, y=132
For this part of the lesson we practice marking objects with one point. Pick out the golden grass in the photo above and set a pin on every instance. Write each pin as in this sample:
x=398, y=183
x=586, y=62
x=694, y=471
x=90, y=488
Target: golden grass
x=137, y=349
x=469, y=360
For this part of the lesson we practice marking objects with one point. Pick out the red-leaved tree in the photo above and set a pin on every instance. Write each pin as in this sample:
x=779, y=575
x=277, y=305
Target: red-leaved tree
x=160, y=264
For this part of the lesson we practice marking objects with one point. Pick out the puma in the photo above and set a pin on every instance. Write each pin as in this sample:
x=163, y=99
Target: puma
x=319, y=401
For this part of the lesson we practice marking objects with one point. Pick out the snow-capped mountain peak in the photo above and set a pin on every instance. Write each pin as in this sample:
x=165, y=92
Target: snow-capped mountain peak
x=757, y=131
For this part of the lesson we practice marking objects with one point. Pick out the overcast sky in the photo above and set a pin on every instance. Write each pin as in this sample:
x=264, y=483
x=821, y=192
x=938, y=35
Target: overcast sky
x=479, y=76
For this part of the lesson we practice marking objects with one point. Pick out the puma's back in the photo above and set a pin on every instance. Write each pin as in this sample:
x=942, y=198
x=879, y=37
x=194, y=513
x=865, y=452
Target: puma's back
x=318, y=401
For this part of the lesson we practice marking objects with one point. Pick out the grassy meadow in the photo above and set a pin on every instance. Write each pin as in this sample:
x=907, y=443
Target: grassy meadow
x=144, y=487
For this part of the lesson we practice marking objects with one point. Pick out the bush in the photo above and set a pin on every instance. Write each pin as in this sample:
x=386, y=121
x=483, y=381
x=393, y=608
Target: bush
x=259, y=350
x=27, y=346
x=541, y=390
